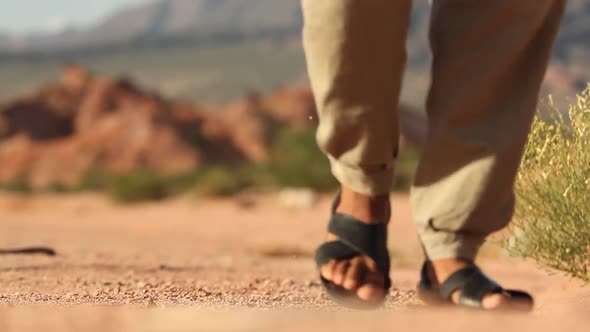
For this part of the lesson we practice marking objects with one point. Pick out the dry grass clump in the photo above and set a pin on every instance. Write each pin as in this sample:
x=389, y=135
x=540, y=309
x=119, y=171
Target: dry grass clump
x=552, y=223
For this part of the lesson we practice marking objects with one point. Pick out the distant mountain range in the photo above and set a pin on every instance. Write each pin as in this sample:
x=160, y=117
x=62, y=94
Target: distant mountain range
x=170, y=23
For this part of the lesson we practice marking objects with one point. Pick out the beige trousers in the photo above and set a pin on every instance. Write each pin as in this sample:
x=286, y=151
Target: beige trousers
x=490, y=57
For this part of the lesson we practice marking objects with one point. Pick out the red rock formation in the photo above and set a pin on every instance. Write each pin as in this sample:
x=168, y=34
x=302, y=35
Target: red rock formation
x=83, y=122
x=74, y=78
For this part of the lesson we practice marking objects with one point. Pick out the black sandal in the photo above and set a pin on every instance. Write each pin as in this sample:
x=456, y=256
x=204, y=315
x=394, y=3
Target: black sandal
x=355, y=238
x=474, y=286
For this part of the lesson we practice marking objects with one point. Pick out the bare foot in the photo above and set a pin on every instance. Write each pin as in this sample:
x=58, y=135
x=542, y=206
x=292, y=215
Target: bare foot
x=441, y=270
x=359, y=274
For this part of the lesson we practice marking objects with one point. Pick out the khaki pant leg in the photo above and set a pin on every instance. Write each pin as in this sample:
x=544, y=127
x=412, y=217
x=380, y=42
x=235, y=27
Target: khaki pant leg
x=490, y=57
x=355, y=52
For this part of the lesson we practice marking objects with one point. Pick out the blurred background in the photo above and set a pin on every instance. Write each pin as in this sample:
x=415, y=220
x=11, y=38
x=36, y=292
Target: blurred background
x=146, y=99
x=205, y=102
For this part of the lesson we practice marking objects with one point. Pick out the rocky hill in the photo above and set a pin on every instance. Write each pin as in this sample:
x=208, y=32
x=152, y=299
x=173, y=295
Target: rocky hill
x=83, y=122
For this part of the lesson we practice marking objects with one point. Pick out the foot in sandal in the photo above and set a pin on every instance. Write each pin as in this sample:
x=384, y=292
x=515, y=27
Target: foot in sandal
x=354, y=262
x=461, y=283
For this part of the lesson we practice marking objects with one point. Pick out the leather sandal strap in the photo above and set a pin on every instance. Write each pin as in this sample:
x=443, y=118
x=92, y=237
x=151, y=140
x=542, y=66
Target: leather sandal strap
x=473, y=284
x=334, y=250
x=369, y=240
x=356, y=238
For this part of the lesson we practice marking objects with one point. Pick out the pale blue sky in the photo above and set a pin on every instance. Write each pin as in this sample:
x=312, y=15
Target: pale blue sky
x=21, y=16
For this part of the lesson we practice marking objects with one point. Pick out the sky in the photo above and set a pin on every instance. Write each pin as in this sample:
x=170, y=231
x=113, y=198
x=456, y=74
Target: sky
x=25, y=16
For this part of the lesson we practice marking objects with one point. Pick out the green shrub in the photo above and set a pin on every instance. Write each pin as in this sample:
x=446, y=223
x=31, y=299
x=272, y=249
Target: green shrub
x=20, y=186
x=57, y=188
x=221, y=181
x=180, y=183
x=297, y=162
x=137, y=187
x=145, y=185
x=94, y=179
x=552, y=224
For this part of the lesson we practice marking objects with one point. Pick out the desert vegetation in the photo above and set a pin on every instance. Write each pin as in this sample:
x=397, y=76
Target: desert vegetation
x=295, y=162
x=552, y=224
x=87, y=132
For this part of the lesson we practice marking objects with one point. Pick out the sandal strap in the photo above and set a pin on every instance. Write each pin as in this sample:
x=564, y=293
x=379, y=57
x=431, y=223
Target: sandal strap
x=473, y=284
x=356, y=238
x=366, y=239
x=334, y=250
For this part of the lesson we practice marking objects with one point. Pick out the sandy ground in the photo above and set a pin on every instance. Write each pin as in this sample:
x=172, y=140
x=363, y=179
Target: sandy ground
x=201, y=265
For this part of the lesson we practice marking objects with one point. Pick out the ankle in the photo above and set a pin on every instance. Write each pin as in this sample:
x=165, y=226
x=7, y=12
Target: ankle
x=368, y=209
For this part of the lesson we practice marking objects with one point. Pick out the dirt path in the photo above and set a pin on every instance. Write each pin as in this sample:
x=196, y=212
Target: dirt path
x=185, y=257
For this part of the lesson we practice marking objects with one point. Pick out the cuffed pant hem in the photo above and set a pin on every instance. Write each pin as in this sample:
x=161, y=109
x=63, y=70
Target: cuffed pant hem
x=372, y=183
x=443, y=245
